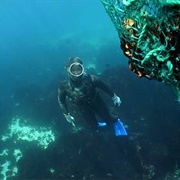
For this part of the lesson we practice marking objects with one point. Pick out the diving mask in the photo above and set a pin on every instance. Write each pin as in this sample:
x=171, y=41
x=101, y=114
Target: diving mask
x=76, y=69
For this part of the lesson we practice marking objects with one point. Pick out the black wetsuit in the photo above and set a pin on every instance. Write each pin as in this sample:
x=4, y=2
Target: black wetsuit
x=85, y=94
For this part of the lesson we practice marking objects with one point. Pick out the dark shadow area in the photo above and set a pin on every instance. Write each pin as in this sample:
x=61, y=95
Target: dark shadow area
x=150, y=151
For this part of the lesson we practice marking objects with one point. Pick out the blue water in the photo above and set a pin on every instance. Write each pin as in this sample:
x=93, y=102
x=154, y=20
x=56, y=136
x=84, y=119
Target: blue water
x=36, y=38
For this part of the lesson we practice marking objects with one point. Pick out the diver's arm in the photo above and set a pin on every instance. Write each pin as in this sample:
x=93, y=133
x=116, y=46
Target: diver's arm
x=63, y=105
x=100, y=84
x=62, y=100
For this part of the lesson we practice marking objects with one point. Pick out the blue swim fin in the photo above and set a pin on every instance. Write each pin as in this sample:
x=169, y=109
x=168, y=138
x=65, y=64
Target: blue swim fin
x=101, y=124
x=119, y=128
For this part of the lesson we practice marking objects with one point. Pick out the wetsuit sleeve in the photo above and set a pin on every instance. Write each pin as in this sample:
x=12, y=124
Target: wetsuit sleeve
x=100, y=84
x=62, y=99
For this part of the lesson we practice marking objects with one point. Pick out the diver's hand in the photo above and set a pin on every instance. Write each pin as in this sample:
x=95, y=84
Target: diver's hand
x=70, y=118
x=116, y=100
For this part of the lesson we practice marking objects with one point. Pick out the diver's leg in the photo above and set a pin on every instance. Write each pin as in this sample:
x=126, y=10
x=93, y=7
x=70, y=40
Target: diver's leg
x=102, y=111
x=89, y=116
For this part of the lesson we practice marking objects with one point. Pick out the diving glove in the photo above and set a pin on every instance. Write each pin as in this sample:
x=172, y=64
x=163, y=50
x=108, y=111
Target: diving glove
x=116, y=100
x=70, y=118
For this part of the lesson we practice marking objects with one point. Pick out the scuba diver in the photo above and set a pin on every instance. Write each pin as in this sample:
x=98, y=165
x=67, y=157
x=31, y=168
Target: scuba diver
x=84, y=91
